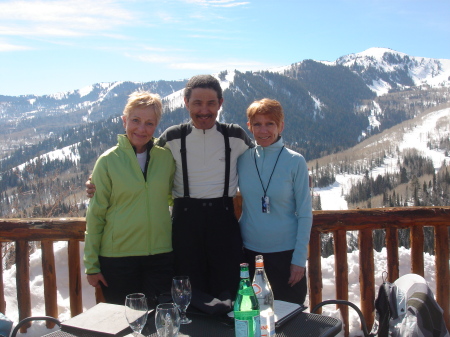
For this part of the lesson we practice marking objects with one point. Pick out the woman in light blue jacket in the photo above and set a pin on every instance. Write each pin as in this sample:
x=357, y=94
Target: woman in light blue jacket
x=276, y=212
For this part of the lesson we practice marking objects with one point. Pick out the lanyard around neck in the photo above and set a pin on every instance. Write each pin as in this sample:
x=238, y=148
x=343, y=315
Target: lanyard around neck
x=273, y=170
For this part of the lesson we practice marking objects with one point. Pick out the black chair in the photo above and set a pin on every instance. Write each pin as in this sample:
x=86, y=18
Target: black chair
x=350, y=304
x=30, y=319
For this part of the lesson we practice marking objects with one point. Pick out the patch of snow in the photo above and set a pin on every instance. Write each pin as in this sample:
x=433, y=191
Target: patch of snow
x=86, y=90
x=380, y=87
x=174, y=100
x=66, y=153
x=317, y=103
x=279, y=70
x=435, y=124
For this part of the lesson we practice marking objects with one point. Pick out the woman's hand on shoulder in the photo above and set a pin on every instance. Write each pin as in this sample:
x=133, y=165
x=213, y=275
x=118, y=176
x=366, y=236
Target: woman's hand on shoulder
x=90, y=188
x=297, y=273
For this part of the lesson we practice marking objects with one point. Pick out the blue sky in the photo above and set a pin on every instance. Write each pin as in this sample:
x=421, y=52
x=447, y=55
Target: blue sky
x=55, y=46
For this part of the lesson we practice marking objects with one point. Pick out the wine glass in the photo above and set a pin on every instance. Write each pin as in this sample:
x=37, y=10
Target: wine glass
x=167, y=320
x=136, y=312
x=181, y=295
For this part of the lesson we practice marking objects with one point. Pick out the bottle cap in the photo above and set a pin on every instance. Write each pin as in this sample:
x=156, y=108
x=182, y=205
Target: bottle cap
x=259, y=263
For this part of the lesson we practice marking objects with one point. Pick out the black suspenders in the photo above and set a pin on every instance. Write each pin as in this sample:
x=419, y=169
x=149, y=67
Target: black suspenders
x=184, y=159
x=227, y=160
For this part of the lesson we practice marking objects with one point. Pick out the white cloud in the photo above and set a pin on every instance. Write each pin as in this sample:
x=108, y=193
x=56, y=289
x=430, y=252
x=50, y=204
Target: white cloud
x=61, y=17
x=172, y=60
x=216, y=66
x=166, y=17
x=12, y=47
x=151, y=54
x=228, y=3
x=153, y=58
x=210, y=37
x=218, y=3
x=161, y=49
x=118, y=36
x=40, y=30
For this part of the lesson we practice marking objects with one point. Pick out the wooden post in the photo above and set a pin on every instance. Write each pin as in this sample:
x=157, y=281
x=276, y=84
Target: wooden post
x=2, y=287
x=237, y=202
x=341, y=277
x=366, y=275
x=76, y=300
x=417, y=245
x=23, y=282
x=315, y=284
x=49, y=274
x=99, y=297
x=392, y=253
x=442, y=256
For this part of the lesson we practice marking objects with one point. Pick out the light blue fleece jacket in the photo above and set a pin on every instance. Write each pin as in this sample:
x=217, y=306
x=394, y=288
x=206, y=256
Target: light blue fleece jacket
x=288, y=225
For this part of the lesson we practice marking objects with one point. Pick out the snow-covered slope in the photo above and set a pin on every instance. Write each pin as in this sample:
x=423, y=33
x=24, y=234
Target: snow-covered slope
x=424, y=129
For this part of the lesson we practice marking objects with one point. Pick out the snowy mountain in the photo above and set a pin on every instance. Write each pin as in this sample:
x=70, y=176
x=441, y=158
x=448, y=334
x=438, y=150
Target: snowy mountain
x=321, y=93
x=27, y=120
x=385, y=69
x=329, y=107
x=85, y=99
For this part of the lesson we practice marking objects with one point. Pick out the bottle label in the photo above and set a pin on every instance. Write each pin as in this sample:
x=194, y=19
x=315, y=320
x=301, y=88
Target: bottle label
x=247, y=326
x=241, y=328
x=257, y=288
x=245, y=274
x=267, y=324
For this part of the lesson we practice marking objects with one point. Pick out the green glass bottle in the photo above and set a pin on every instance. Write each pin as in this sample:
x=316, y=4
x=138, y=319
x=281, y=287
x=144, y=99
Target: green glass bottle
x=246, y=308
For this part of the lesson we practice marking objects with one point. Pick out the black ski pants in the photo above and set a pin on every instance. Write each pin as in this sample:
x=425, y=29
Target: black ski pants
x=151, y=275
x=207, y=244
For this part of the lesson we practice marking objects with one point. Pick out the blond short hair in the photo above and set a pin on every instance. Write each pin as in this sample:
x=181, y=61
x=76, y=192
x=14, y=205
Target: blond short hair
x=141, y=99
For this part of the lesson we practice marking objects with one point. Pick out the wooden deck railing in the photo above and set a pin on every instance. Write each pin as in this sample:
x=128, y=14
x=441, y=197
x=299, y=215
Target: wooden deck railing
x=21, y=231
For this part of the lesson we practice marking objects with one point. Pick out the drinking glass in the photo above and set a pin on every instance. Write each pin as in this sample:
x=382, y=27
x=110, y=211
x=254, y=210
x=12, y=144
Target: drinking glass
x=136, y=312
x=181, y=295
x=167, y=320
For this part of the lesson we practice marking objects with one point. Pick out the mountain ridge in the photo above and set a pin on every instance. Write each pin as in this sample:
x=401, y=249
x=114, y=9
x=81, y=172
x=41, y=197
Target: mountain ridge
x=376, y=68
x=328, y=108
x=421, y=70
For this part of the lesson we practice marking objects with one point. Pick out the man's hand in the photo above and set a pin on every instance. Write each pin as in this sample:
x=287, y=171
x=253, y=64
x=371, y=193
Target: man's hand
x=95, y=280
x=90, y=188
x=297, y=273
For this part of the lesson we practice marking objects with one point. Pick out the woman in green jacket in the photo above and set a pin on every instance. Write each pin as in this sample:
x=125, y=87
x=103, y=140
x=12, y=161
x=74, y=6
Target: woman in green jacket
x=128, y=240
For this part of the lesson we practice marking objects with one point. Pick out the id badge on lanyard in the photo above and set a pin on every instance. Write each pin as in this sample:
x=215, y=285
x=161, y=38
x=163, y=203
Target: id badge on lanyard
x=265, y=204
